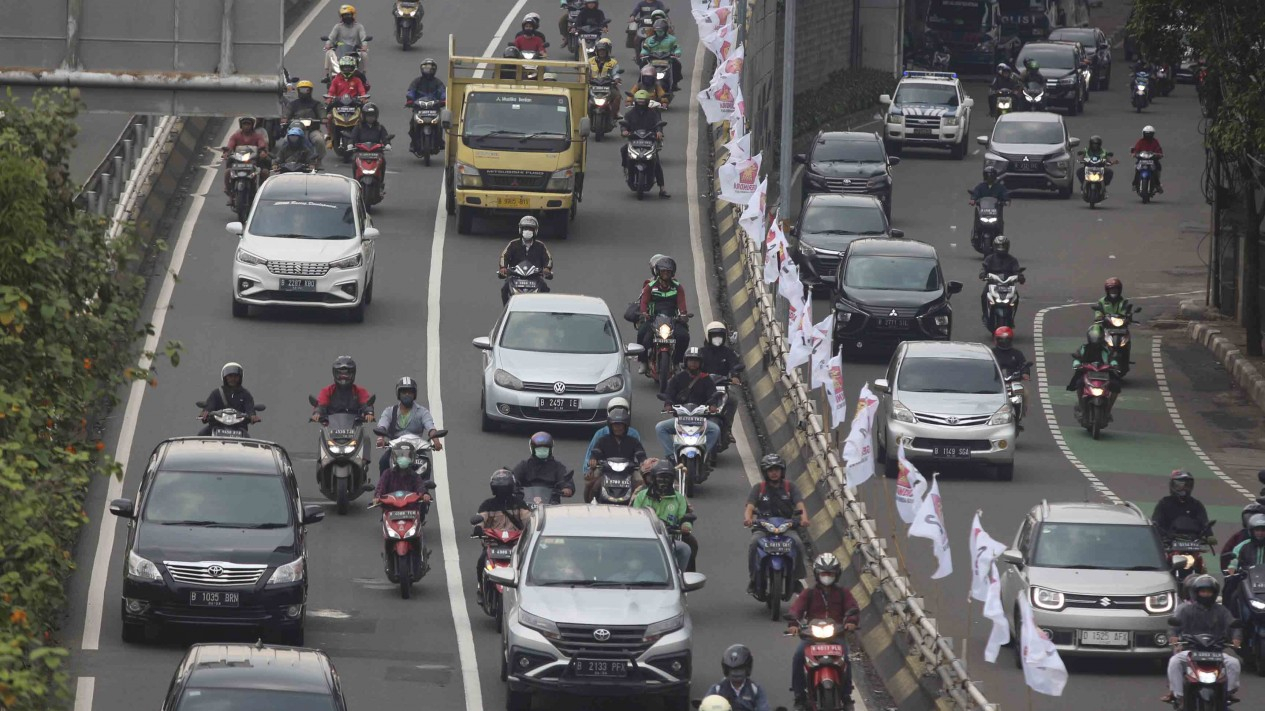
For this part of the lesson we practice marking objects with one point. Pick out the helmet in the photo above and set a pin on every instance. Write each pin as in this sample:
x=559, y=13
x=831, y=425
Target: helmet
x=405, y=383
x=528, y=227
x=647, y=75
x=603, y=44
x=590, y=2
x=231, y=369
x=533, y=18
x=241, y=122
x=294, y=134
x=618, y=402
x=660, y=25
x=399, y=451
x=664, y=263
x=737, y=658
x=429, y=62
x=1003, y=336
x=347, y=10
x=1003, y=68
x=344, y=370
x=511, y=52
x=1094, y=335
x=1031, y=63
x=370, y=110
x=826, y=564
x=1257, y=521
x=1001, y=243
x=1181, y=483
x=663, y=477
x=772, y=461
x=502, y=483
x=304, y=85
x=661, y=466
x=1113, y=284
x=618, y=416
x=715, y=702
x=1251, y=510
x=659, y=15
x=1095, y=142
x=695, y=353
x=1204, y=582
x=716, y=329
x=990, y=172
x=347, y=64
x=1148, y=132
x=540, y=439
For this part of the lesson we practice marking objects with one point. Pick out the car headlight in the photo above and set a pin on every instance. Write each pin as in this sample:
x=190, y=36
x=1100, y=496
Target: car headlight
x=292, y=572
x=139, y=568
x=951, y=120
x=1060, y=164
x=657, y=629
x=1004, y=415
x=562, y=181
x=247, y=258
x=351, y=262
x=807, y=249
x=1068, y=80
x=1161, y=603
x=1257, y=604
x=896, y=119
x=546, y=627
x=615, y=383
x=1047, y=599
x=877, y=181
x=467, y=176
x=506, y=380
x=900, y=413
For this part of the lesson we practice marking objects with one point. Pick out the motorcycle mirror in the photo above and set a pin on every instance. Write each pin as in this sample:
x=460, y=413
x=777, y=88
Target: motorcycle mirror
x=801, y=158
x=260, y=408
x=1073, y=141
x=312, y=401
x=476, y=520
x=1022, y=270
x=982, y=140
x=1137, y=309
x=549, y=276
x=1081, y=152
x=380, y=431
x=441, y=433
x=372, y=399
x=1110, y=154
x=430, y=485
x=662, y=124
x=324, y=38
x=369, y=38
x=1173, y=621
x=955, y=287
x=893, y=160
x=201, y=404
x=896, y=233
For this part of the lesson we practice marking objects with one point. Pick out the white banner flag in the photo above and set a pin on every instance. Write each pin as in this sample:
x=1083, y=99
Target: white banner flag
x=821, y=353
x=984, y=550
x=858, y=448
x=710, y=19
x=721, y=41
x=733, y=62
x=1043, y=669
x=911, y=487
x=740, y=149
x=799, y=328
x=993, y=610
x=737, y=120
x=929, y=523
x=775, y=245
x=834, y=391
x=789, y=284
x=721, y=98
x=738, y=180
x=752, y=219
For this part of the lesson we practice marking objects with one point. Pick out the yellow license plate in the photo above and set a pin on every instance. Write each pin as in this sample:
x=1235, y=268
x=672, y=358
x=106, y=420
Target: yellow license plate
x=512, y=202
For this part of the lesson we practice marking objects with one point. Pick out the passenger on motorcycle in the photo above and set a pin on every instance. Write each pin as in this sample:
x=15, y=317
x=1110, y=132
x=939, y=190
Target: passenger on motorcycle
x=1094, y=351
x=229, y=394
x=407, y=416
x=506, y=510
x=1206, y=616
x=720, y=359
x=348, y=32
x=307, y=107
x=643, y=118
x=1000, y=262
x=343, y=395
x=1148, y=142
x=345, y=83
x=670, y=506
x=246, y=135
x=776, y=497
x=663, y=295
x=426, y=87
x=529, y=39
x=296, y=148
x=541, y=469
x=1180, y=513
x=1003, y=79
x=824, y=601
x=371, y=131
x=662, y=41
x=617, y=442
x=1227, y=550
x=1251, y=552
x=1096, y=151
x=737, y=688
x=525, y=249
x=617, y=403
x=402, y=476
x=691, y=385
x=647, y=82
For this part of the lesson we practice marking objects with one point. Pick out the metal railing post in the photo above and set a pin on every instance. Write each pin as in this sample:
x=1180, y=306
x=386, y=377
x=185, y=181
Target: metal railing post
x=103, y=199
x=119, y=177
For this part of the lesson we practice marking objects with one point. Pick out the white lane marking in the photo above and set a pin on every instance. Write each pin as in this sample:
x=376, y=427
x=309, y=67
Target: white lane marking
x=1157, y=359
x=500, y=35
x=84, y=688
x=300, y=28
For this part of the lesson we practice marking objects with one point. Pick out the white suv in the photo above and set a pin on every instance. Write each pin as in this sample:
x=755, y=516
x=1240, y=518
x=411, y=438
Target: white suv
x=308, y=242
x=929, y=110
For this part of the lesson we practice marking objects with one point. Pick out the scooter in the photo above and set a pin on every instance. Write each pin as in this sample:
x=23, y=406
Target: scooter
x=662, y=63
x=987, y=225
x=826, y=666
x=342, y=49
x=426, y=121
x=1185, y=555
x=587, y=37
x=1203, y=673
x=1140, y=91
x=1164, y=79
x=541, y=495
x=1034, y=97
x=1145, y=167
x=243, y=173
x=1116, y=336
x=312, y=129
x=660, y=365
x=639, y=29
x=1093, y=405
x=1094, y=187
x=530, y=71
x=615, y=482
x=228, y=422
x=498, y=550
x=1250, y=596
x=369, y=172
x=1002, y=300
x=408, y=22
x=344, y=115
x=689, y=439
x=402, y=523
x=603, y=104
x=775, y=563
x=643, y=152
x=342, y=460
x=1005, y=102
x=524, y=278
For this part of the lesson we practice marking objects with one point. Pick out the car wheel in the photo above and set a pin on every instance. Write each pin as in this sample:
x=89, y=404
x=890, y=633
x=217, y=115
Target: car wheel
x=356, y=314
x=1014, y=636
x=240, y=310
x=958, y=150
x=369, y=291
x=450, y=203
x=1005, y=472
x=465, y=220
x=1065, y=193
x=134, y=633
x=291, y=637
x=561, y=222
x=488, y=424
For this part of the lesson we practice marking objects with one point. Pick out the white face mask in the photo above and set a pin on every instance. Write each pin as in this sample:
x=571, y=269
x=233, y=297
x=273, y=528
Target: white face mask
x=826, y=580
x=718, y=341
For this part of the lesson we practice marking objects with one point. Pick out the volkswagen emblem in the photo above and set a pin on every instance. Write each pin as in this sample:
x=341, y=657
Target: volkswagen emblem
x=559, y=387
x=602, y=634
x=215, y=571
x=893, y=313
x=1105, y=601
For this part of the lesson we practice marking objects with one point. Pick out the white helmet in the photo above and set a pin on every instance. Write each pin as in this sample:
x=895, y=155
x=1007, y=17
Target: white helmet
x=1148, y=129
x=528, y=227
x=715, y=702
x=618, y=402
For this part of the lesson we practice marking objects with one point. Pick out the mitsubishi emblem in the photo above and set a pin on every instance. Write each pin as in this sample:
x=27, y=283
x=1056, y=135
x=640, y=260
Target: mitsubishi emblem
x=1026, y=159
x=1104, y=601
x=893, y=313
x=601, y=634
x=559, y=387
x=215, y=571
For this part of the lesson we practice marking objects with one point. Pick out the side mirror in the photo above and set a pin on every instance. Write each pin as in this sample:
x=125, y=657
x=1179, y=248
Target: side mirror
x=324, y=38
x=372, y=233
x=1110, y=154
x=235, y=228
x=969, y=102
x=1104, y=46
x=368, y=38
x=260, y=408
x=202, y=404
x=441, y=433
x=430, y=485
x=372, y=399
x=885, y=98
x=502, y=576
x=483, y=343
x=801, y=158
x=1011, y=556
x=1137, y=309
x=881, y=385
x=1073, y=141
x=896, y=233
x=312, y=401
x=689, y=581
x=893, y=160
x=982, y=140
x=1081, y=153
x=123, y=508
x=445, y=119
x=476, y=520
x=955, y=287
x=313, y=514
x=584, y=127
x=634, y=349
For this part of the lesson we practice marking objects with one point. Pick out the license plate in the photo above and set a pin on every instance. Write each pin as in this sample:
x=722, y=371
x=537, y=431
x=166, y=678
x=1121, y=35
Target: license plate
x=399, y=515
x=558, y=404
x=777, y=547
x=214, y=598
x=524, y=284
x=511, y=202
x=1105, y=639
x=893, y=323
x=1145, y=165
x=824, y=650
x=298, y=285
x=924, y=132
x=1186, y=546
x=501, y=552
x=601, y=667
x=1214, y=657
x=225, y=432
x=951, y=452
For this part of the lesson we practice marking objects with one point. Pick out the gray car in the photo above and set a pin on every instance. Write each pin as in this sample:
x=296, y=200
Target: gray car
x=553, y=359
x=595, y=606
x=1096, y=576
x=1032, y=151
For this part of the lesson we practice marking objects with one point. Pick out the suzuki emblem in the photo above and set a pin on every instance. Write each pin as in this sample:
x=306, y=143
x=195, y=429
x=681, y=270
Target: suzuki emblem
x=893, y=313
x=602, y=635
x=215, y=571
x=1104, y=601
x=559, y=387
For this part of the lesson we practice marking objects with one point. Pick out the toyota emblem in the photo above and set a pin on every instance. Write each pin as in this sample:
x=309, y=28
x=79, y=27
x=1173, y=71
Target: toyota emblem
x=602, y=634
x=847, y=182
x=951, y=420
x=1104, y=601
x=559, y=387
x=215, y=571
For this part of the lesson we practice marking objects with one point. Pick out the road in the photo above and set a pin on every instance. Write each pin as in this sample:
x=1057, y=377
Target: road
x=435, y=291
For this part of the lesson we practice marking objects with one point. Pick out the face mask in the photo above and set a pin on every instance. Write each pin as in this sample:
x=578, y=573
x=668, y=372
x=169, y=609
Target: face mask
x=737, y=677
x=528, y=239
x=407, y=400
x=718, y=341
x=403, y=462
x=347, y=20
x=826, y=580
x=541, y=452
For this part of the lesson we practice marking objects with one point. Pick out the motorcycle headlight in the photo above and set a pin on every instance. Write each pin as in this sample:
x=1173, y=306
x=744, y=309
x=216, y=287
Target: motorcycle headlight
x=561, y=181
x=411, y=532
x=1160, y=603
x=243, y=157
x=657, y=629
x=665, y=331
x=1096, y=392
x=1093, y=177
x=292, y=572
x=1115, y=321
x=546, y=627
x=467, y=176
x=896, y=119
x=336, y=448
x=951, y=120
x=139, y=568
x=1140, y=90
x=1207, y=677
x=826, y=631
x=599, y=101
x=988, y=220
x=247, y=258
x=1047, y=599
x=1004, y=415
x=900, y=413
x=612, y=384
x=506, y=380
x=351, y=262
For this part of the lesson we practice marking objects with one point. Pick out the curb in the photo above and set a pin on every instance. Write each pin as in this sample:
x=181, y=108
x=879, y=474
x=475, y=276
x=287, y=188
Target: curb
x=1242, y=372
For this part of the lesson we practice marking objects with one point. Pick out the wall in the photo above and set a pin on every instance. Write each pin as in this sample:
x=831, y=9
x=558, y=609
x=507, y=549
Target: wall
x=823, y=40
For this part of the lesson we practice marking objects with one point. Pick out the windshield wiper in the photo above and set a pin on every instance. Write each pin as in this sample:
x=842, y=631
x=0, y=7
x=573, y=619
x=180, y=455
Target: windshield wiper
x=489, y=134
x=256, y=525
x=1144, y=567
x=188, y=523
x=843, y=232
x=539, y=134
x=937, y=390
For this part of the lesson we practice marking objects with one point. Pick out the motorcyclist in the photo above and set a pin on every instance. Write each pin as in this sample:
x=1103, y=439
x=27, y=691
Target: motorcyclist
x=1180, y=513
x=1093, y=350
x=346, y=82
x=603, y=64
x=663, y=41
x=663, y=295
x=525, y=249
x=246, y=135
x=1206, y=616
x=1227, y=550
x=1148, y=142
x=1250, y=552
x=406, y=416
x=1003, y=79
x=643, y=118
x=670, y=506
x=1095, y=151
x=691, y=385
x=1011, y=360
x=1113, y=303
x=616, y=403
x=825, y=600
x=343, y=395
x=591, y=15
x=402, y=477
x=772, y=497
x=506, y=510
x=1031, y=73
x=647, y=82
x=348, y=32
x=307, y=107
x=616, y=443
x=371, y=131
x=737, y=688
x=296, y=148
x=541, y=469
x=720, y=359
x=529, y=39
x=229, y=394
x=1000, y=262
x=426, y=87
x=646, y=6
x=564, y=20
x=990, y=186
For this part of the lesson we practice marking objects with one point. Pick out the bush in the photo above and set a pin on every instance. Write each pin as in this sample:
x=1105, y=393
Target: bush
x=69, y=306
x=845, y=92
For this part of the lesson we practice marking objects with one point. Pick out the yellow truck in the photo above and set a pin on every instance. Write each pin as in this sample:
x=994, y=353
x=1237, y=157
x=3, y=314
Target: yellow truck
x=517, y=133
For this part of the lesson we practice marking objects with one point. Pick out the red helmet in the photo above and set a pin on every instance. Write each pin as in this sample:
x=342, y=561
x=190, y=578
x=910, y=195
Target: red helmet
x=1113, y=284
x=1003, y=336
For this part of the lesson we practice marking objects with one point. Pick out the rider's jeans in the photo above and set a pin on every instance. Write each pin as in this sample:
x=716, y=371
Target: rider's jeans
x=1175, y=675
x=666, y=429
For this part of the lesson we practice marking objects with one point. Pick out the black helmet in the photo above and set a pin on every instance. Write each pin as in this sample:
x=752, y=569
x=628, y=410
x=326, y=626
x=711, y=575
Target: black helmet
x=344, y=370
x=736, y=663
x=511, y=52
x=231, y=369
x=1001, y=243
x=429, y=62
x=502, y=483
x=663, y=478
x=1204, y=582
x=665, y=263
x=660, y=25
x=990, y=172
x=405, y=383
x=1095, y=142
x=1181, y=483
x=826, y=564
x=370, y=110
x=399, y=451
x=695, y=353
x=540, y=439
x=618, y=416
x=772, y=461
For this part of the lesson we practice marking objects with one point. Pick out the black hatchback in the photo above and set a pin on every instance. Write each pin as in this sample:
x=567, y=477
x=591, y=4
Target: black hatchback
x=216, y=538
x=848, y=162
x=212, y=677
x=888, y=291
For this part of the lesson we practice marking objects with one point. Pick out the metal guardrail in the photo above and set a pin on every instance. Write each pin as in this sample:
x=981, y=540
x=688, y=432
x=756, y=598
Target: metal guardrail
x=113, y=187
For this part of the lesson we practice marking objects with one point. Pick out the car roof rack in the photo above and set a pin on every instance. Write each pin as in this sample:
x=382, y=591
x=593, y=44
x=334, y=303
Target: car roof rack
x=928, y=75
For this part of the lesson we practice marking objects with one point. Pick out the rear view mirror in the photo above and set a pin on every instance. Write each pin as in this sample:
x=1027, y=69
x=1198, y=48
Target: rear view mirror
x=1073, y=141
x=503, y=576
x=260, y=408
x=969, y=102
x=982, y=140
x=955, y=287
x=880, y=385
x=483, y=343
x=1012, y=556
x=234, y=228
x=201, y=404
x=896, y=233
x=689, y=581
x=312, y=401
x=893, y=160
x=801, y=158
x=634, y=349
x=476, y=520
x=885, y=98
x=123, y=508
x=313, y=514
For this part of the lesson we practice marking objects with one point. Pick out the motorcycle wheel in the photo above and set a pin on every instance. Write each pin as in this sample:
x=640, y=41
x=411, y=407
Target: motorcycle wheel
x=1003, y=317
x=775, y=595
x=1095, y=421
x=498, y=609
x=404, y=571
x=828, y=698
x=341, y=496
x=691, y=476
x=242, y=202
x=1258, y=662
x=663, y=366
x=1144, y=189
x=641, y=194
x=426, y=159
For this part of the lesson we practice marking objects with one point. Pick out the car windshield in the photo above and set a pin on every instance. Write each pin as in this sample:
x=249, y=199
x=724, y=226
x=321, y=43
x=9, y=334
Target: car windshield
x=972, y=376
x=221, y=500
x=1060, y=58
x=559, y=333
x=957, y=14
x=936, y=94
x=517, y=122
x=1098, y=545
x=303, y=219
x=1084, y=36
x=827, y=151
x=1043, y=132
x=221, y=699
x=597, y=562
x=892, y=273
x=831, y=225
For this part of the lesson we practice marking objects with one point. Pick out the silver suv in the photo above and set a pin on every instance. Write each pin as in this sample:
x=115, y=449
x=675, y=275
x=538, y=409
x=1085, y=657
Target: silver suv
x=595, y=606
x=1096, y=577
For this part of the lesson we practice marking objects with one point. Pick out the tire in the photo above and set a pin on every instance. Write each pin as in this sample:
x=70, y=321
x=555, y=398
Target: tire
x=561, y=224
x=426, y=159
x=1137, y=108
x=891, y=467
x=1005, y=472
x=1144, y=189
x=356, y=314
x=404, y=571
x=369, y=292
x=775, y=595
x=691, y=477
x=134, y=633
x=498, y=609
x=342, y=496
x=958, y=150
x=291, y=638
x=828, y=698
x=517, y=700
x=1095, y=422
x=240, y=310
x=1014, y=642
x=487, y=423
x=450, y=203
x=465, y=220
x=242, y=200
x=641, y=194
x=664, y=370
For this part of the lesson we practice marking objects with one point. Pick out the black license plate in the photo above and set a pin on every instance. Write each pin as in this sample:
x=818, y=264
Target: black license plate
x=1213, y=657
x=924, y=132
x=777, y=547
x=501, y=552
x=298, y=285
x=893, y=323
x=559, y=404
x=613, y=668
x=214, y=598
x=951, y=452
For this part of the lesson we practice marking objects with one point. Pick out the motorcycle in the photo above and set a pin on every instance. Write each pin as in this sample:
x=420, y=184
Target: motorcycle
x=660, y=364
x=615, y=482
x=524, y=278
x=1203, y=673
x=1145, y=168
x=1250, y=596
x=1093, y=403
x=1034, y=97
x=603, y=104
x=408, y=23
x=1005, y=102
x=343, y=49
x=244, y=173
x=586, y=36
x=662, y=63
x=312, y=129
x=643, y=152
x=342, y=460
x=775, y=563
x=639, y=29
x=530, y=71
x=1185, y=555
x=1094, y=187
x=228, y=422
x=987, y=225
x=344, y=115
x=826, y=666
x=369, y=171
x=402, y=525
x=1140, y=91
x=426, y=119
x=1164, y=82
x=422, y=463
x=538, y=495
x=689, y=439
x=498, y=549
x=1017, y=392
x=1116, y=336
x=1002, y=300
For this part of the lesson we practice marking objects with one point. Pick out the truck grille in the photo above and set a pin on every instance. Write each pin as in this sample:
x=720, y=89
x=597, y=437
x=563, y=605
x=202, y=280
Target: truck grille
x=932, y=122
x=506, y=180
x=581, y=641
x=215, y=574
x=306, y=269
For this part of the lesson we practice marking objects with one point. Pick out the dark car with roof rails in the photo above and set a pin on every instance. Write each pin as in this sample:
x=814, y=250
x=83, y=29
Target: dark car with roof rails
x=216, y=539
x=214, y=677
x=1097, y=50
x=1061, y=64
x=888, y=291
x=852, y=162
x=827, y=224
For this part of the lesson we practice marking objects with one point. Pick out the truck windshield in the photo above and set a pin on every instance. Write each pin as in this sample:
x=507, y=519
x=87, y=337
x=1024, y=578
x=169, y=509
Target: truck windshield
x=967, y=15
x=517, y=122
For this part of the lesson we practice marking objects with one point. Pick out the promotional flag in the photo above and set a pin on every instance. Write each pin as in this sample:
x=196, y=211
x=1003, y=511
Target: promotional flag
x=775, y=245
x=752, y=219
x=788, y=283
x=721, y=41
x=911, y=487
x=721, y=98
x=834, y=391
x=799, y=327
x=1043, y=669
x=858, y=449
x=986, y=587
x=821, y=352
x=740, y=149
x=738, y=180
x=929, y=523
x=710, y=18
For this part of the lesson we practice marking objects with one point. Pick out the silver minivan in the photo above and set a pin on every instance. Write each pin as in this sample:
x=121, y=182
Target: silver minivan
x=595, y=606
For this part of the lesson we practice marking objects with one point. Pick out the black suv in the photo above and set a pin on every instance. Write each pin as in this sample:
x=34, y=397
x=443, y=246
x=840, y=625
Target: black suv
x=888, y=291
x=254, y=676
x=827, y=224
x=848, y=162
x=1061, y=64
x=216, y=537
x=1097, y=49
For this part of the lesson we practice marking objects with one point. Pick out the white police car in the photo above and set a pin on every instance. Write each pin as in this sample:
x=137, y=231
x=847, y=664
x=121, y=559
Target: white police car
x=929, y=110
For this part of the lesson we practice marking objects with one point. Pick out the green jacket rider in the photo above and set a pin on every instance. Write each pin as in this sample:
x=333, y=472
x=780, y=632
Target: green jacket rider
x=1114, y=302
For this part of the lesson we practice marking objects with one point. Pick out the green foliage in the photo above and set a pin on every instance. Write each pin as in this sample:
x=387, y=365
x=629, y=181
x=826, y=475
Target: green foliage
x=69, y=308
x=845, y=92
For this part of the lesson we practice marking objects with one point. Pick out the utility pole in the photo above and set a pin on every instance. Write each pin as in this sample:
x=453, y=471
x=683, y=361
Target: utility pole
x=788, y=109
